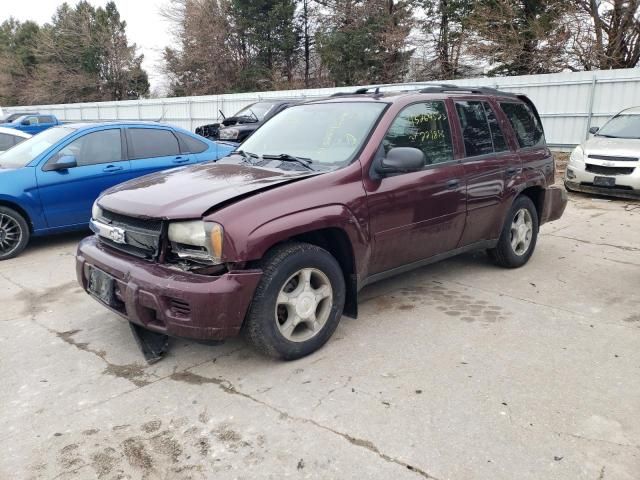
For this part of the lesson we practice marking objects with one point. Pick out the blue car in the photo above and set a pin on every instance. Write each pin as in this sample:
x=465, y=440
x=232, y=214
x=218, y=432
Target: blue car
x=49, y=182
x=32, y=123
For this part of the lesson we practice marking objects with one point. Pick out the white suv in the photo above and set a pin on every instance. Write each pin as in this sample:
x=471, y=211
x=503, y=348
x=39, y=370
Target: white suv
x=609, y=162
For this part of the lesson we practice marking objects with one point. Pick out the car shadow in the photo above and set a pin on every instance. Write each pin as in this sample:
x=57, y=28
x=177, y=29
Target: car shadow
x=57, y=240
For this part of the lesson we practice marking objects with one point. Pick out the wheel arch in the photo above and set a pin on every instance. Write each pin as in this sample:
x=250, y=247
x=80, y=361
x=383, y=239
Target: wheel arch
x=20, y=210
x=536, y=193
x=333, y=228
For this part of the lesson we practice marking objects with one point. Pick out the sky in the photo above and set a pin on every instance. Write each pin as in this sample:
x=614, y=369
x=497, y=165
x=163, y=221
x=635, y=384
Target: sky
x=145, y=26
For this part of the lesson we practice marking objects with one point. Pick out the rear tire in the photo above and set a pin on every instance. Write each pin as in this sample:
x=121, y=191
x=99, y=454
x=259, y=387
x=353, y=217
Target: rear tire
x=14, y=233
x=298, y=302
x=519, y=235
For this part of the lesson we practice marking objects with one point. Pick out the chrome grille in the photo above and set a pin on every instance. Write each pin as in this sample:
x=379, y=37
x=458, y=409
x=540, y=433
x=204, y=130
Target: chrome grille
x=141, y=236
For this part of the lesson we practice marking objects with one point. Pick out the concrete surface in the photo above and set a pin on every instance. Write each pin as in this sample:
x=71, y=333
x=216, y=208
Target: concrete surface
x=458, y=371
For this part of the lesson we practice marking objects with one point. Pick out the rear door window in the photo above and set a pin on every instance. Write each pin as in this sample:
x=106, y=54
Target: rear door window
x=45, y=119
x=424, y=126
x=525, y=124
x=152, y=143
x=499, y=142
x=476, y=132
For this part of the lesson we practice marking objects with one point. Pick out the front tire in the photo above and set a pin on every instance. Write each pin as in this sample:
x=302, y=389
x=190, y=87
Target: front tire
x=14, y=233
x=298, y=302
x=519, y=235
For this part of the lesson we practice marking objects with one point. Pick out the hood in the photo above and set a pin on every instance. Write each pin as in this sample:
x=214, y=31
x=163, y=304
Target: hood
x=615, y=147
x=189, y=192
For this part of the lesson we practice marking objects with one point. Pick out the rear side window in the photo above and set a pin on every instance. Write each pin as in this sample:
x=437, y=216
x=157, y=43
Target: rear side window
x=45, y=119
x=190, y=144
x=151, y=143
x=525, y=124
x=424, y=126
x=6, y=141
x=499, y=143
x=476, y=132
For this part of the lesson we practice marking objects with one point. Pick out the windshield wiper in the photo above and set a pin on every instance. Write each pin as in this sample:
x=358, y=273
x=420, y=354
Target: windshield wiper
x=285, y=157
x=604, y=135
x=246, y=156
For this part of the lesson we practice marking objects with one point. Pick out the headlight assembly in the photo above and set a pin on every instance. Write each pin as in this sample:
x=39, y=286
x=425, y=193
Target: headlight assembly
x=197, y=240
x=577, y=156
x=229, y=133
x=96, y=211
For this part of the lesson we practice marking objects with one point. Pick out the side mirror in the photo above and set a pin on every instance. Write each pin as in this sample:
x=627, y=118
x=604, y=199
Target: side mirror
x=594, y=130
x=63, y=162
x=402, y=160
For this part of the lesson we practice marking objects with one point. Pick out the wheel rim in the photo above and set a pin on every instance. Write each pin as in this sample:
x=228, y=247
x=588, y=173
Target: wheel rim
x=10, y=234
x=303, y=305
x=521, y=231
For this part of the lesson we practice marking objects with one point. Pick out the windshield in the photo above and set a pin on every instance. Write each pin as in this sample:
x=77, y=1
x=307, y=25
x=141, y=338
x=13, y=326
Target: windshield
x=24, y=152
x=328, y=134
x=621, y=126
x=258, y=110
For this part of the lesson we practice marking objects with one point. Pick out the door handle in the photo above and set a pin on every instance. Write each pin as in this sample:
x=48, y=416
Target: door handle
x=511, y=171
x=180, y=160
x=112, y=168
x=451, y=184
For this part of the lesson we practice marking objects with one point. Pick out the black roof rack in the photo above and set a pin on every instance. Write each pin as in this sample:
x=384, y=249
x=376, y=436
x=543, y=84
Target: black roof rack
x=430, y=88
x=447, y=88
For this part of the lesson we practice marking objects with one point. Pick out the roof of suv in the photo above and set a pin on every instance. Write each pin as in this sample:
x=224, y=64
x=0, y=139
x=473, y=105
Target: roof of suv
x=368, y=93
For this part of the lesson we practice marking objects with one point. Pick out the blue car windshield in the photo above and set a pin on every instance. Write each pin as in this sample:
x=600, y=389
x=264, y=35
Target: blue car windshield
x=25, y=152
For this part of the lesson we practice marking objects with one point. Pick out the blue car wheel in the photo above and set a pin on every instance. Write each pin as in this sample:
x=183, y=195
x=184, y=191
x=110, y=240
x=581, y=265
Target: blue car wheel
x=14, y=233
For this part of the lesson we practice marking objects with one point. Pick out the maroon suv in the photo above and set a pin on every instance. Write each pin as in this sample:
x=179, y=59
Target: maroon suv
x=276, y=240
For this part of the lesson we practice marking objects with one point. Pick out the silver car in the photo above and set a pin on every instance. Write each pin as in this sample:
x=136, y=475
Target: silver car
x=609, y=162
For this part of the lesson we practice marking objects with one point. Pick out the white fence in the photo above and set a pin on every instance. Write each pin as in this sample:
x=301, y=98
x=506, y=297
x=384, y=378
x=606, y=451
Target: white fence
x=569, y=103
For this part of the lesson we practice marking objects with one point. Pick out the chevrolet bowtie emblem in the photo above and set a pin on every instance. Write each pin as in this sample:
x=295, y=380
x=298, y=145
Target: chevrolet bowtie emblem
x=117, y=235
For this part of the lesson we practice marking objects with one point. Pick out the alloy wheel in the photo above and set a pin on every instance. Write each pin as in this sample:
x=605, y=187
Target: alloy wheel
x=10, y=234
x=521, y=231
x=304, y=304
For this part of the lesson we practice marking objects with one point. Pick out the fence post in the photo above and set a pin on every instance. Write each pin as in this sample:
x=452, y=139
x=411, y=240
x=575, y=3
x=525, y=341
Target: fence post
x=592, y=95
x=190, y=114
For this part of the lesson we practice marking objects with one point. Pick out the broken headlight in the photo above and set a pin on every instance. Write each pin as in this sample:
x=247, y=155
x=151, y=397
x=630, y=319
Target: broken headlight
x=197, y=241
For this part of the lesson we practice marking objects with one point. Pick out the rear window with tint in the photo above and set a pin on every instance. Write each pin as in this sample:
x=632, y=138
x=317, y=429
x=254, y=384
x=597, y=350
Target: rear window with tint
x=525, y=124
x=499, y=142
x=151, y=143
x=476, y=132
x=190, y=144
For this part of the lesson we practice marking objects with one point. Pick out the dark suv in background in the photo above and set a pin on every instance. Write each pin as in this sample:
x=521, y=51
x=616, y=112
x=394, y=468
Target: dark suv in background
x=238, y=127
x=330, y=195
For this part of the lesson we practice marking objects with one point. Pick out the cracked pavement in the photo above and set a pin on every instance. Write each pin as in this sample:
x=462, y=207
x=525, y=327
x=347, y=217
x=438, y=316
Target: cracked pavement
x=460, y=370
